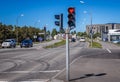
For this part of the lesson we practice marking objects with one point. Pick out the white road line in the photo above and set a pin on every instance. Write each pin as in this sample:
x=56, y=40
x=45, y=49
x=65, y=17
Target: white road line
x=31, y=80
x=49, y=71
x=108, y=50
x=64, y=69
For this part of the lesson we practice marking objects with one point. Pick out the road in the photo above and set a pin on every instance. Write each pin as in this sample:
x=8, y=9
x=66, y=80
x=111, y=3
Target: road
x=37, y=63
x=95, y=65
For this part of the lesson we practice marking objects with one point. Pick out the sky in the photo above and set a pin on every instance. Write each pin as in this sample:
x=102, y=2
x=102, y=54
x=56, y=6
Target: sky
x=40, y=13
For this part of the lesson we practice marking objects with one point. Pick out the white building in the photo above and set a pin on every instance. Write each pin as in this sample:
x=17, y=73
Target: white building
x=103, y=30
x=113, y=34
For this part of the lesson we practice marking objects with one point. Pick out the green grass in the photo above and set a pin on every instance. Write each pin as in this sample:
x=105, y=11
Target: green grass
x=56, y=44
x=95, y=45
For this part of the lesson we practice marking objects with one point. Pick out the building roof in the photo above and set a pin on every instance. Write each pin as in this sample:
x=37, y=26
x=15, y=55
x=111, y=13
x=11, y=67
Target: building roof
x=112, y=23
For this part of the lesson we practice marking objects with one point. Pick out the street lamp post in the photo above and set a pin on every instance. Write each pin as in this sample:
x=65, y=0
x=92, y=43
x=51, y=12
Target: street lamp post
x=91, y=32
x=17, y=25
x=35, y=36
x=36, y=22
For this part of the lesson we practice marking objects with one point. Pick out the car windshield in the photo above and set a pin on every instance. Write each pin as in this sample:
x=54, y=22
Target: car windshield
x=26, y=41
x=82, y=38
x=7, y=41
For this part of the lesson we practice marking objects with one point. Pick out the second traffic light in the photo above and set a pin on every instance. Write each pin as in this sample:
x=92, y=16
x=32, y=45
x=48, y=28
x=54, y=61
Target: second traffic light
x=71, y=17
x=59, y=21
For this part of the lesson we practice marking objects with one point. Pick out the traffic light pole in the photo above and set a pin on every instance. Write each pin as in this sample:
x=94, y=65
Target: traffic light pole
x=67, y=55
x=61, y=23
x=71, y=25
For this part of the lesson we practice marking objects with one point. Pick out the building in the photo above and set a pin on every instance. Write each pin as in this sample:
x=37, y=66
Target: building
x=114, y=34
x=103, y=29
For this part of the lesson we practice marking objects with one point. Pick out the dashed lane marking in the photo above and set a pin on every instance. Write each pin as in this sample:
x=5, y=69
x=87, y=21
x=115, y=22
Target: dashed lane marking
x=108, y=50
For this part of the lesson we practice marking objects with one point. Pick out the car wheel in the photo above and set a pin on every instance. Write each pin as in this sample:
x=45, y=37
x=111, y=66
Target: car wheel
x=14, y=46
x=10, y=46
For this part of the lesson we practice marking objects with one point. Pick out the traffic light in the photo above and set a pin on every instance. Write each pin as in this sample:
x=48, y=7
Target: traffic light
x=59, y=21
x=71, y=17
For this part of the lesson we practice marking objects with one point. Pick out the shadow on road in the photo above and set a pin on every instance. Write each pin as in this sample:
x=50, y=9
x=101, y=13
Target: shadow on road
x=88, y=75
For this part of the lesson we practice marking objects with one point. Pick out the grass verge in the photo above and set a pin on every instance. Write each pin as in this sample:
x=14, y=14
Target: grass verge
x=95, y=45
x=56, y=44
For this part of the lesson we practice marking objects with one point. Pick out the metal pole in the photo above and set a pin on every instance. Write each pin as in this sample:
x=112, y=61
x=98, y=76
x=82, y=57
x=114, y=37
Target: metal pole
x=67, y=55
x=17, y=25
x=61, y=23
x=45, y=33
x=91, y=30
x=17, y=29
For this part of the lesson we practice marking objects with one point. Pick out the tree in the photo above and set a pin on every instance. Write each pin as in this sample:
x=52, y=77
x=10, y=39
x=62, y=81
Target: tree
x=82, y=34
x=73, y=32
x=54, y=32
x=96, y=35
x=48, y=32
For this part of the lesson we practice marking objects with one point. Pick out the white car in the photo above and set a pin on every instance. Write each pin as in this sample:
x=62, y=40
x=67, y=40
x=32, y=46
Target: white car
x=9, y=43
x=82, y=39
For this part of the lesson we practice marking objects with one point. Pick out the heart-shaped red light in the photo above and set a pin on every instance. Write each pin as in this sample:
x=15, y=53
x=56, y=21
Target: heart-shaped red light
x=71, y=10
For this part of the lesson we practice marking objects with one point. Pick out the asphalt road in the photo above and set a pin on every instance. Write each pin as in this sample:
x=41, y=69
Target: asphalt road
x=95, y=65
x=39, y=64
x=35, y=63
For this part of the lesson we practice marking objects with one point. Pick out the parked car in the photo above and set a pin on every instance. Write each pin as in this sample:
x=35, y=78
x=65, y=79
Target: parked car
x=9, y=43
x=26, y=43
x=116, y=41
x=82, y=39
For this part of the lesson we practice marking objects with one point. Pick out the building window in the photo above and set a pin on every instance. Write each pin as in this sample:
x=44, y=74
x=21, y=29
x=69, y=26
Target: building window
x=106, y=28
x=112, y=26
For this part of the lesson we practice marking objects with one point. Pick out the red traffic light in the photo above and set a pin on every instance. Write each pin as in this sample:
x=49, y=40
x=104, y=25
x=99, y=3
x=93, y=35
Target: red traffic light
x=71, y=10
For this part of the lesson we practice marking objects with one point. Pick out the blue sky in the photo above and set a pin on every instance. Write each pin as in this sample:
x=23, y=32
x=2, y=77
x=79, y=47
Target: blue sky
x=103, y=11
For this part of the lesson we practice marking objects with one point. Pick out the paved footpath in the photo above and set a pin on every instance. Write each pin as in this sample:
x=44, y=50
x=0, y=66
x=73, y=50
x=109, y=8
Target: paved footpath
x=92, y=70
x=109, y=45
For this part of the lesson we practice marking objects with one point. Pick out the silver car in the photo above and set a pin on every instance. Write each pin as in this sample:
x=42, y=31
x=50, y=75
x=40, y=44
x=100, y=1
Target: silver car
x=9, y=43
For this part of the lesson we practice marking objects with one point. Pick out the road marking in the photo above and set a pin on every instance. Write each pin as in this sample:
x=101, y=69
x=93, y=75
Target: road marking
x=108, y=50
x=31, y=80
x=49, y=71
x=72, y=63
x=63, y=69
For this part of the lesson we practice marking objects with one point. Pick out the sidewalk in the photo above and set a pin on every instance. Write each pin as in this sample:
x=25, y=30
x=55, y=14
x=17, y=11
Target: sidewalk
x=93, y=70
x=109, y=45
